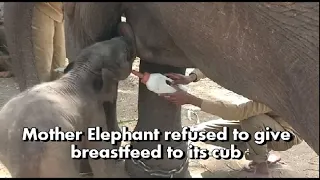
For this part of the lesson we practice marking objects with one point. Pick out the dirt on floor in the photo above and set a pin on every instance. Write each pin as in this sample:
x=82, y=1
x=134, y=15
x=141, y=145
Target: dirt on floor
x=299, y=161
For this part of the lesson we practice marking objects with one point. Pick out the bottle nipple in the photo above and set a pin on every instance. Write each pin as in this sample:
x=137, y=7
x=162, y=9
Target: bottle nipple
x=144, y=77
x=136, y=73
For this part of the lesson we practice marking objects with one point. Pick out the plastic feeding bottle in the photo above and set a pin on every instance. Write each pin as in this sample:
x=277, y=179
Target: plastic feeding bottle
x=157, y=82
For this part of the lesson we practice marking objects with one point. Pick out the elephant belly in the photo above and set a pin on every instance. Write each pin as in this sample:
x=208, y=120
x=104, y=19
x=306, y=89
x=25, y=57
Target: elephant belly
x=252, y=49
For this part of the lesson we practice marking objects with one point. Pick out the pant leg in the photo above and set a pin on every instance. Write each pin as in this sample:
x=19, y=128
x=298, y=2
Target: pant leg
x=42, y=38
x=59, y=50
x=259, y=153
x=216, y=126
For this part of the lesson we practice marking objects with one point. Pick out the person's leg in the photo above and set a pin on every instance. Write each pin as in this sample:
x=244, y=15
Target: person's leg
x=59, y=50
x=259, y=153
x=216, y=126
x=42, y=38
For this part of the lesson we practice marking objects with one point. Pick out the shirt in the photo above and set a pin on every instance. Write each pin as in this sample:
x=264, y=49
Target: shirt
x=52, y=9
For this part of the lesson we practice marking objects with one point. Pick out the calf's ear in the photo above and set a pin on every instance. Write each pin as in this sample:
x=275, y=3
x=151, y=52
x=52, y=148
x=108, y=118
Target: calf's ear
x=69, y=67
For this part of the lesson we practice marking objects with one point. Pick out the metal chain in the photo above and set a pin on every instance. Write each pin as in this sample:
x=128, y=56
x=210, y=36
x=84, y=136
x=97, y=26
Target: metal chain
x=189, y=113
x=160, y=173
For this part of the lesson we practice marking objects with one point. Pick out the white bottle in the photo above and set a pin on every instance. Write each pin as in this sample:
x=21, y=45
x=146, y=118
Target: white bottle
x=157, y=82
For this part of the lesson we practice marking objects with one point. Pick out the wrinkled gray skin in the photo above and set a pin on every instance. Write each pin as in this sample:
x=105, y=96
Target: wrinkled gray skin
x=268, y=52
x=73, y=103
x=20, y=46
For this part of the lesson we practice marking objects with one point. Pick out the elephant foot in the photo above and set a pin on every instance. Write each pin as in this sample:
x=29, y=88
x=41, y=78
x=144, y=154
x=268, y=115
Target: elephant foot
x=136, y=170
x=157, y=113
x=5, y=74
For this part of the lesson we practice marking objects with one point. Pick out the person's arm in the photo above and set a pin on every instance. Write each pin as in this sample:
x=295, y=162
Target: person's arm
x=196, y=75
x=230, y=111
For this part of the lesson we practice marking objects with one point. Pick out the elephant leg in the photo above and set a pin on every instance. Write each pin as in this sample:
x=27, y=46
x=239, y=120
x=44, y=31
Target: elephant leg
x=17, y=21
x=85, y=166
x=157, y=113
x=110, y=109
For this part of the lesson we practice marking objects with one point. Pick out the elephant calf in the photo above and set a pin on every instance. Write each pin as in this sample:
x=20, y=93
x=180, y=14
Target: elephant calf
x=73, y=102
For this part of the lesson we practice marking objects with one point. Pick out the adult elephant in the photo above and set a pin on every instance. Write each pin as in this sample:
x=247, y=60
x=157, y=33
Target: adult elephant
x=268, y=52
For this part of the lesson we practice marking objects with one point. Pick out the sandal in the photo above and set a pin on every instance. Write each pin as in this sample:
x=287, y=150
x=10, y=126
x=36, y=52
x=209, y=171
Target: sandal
x=272, y=160
x=5, y=74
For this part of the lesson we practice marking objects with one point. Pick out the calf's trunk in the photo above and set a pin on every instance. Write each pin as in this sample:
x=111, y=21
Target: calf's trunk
x=80, y=20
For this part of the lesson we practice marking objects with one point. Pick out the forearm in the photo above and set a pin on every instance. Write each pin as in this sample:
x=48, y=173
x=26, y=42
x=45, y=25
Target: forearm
x=195, y=100
x=223, y=110
x=212, y=107
x=230, y=111
x=215, y=108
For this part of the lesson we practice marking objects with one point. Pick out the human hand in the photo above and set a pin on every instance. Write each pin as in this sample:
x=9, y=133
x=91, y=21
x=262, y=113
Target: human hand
x=180, y=78
x=179, y=97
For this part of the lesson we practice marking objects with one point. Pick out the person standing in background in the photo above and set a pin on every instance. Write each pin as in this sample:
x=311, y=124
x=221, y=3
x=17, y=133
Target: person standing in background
x=48, y=37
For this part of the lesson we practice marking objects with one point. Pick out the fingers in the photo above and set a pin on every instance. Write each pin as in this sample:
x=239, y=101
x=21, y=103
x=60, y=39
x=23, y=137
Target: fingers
x=178, y=81
x=164, y=94
x=169, y=97
x=173, y=76
x=172, y=99
x=178, y=78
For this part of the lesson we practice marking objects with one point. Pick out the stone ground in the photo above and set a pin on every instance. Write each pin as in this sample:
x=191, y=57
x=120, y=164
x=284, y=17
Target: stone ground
x=300, y=161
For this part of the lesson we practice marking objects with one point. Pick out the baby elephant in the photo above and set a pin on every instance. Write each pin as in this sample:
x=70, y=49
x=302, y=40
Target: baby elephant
x=73, y=103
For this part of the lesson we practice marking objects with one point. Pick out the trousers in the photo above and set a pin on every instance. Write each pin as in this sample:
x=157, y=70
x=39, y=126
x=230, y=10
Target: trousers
x=48, y=39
